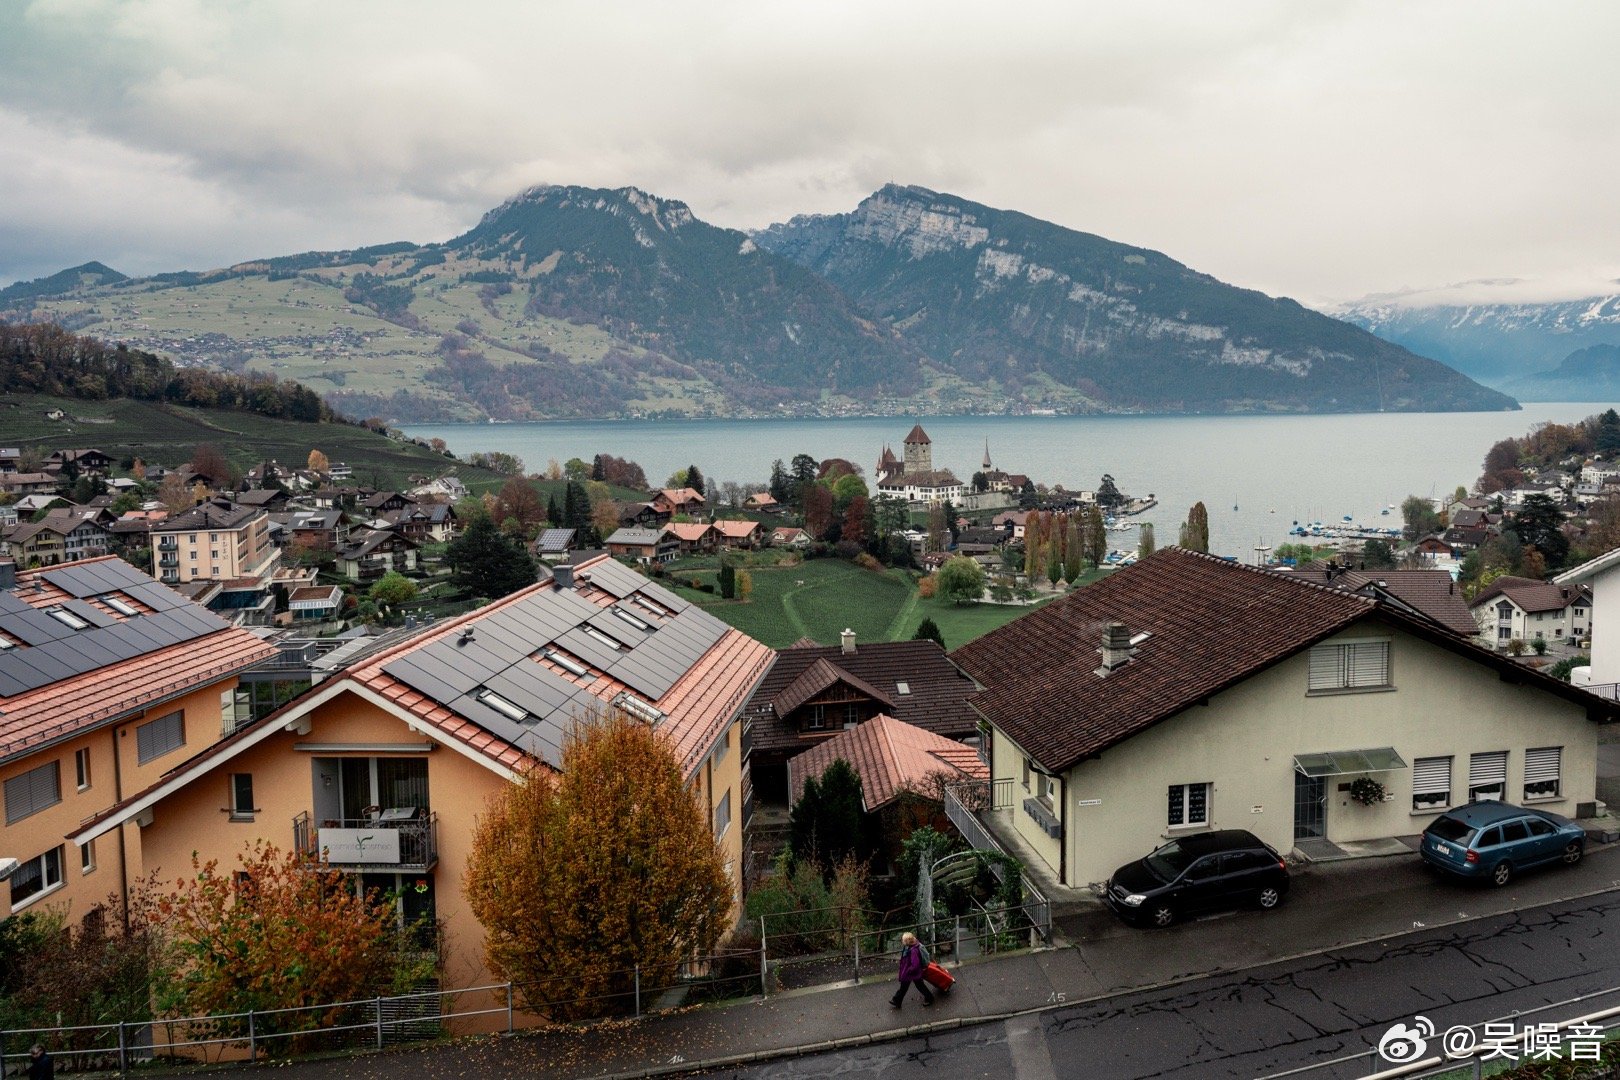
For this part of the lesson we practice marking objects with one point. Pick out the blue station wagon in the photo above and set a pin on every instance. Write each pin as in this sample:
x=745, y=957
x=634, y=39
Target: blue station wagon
x=1492, y=841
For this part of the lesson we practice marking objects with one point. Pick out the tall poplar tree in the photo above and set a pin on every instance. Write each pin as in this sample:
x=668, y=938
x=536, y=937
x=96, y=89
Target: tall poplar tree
x=1195, y=530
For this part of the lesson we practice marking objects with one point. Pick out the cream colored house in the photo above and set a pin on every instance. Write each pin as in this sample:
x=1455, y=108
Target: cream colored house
x=1188, y=694
x=217, y=541
x=1601, y=578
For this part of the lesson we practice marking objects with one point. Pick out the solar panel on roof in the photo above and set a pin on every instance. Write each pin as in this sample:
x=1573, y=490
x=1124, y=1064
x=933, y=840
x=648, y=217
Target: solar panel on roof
x=431, y=676
x=34, y=627
x=90, y=613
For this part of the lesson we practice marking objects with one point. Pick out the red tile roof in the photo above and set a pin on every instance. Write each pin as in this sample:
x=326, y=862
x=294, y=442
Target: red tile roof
x=1431, y=592
x=891, y=757
x=79, y=702
x=918, y=435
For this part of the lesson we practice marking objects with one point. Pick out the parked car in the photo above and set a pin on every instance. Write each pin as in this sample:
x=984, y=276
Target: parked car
x=1492, y=841
x=1206, y=872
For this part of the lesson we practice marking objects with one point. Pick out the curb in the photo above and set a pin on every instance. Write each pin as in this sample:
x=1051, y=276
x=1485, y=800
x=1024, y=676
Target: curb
x=686, y=1068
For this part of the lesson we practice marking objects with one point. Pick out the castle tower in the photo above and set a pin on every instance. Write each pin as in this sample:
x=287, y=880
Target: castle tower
x=919, y=451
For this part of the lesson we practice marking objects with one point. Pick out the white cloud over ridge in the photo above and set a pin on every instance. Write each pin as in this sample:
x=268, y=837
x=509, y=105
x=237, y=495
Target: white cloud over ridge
x=1320, y=150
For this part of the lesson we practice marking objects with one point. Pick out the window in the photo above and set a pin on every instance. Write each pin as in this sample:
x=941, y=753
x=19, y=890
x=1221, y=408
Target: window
x=509, y=709
x=1541, y=768
x=1514, y=831
x=722, y=814
x=157, y=737
x=723, y=748
x=1189, y=804
x=68, y=619
x=1359, y=665
x=1026, y=774
x=87, y=857
x=241, y=796
x=81, y=767
x=36, y=877
x=1503, y=633
x=852, y=715
x=1539, y=827
x=120, y=605
x=1431, y=783
x=817, y=719
x=32, y=792
x=1487, y=776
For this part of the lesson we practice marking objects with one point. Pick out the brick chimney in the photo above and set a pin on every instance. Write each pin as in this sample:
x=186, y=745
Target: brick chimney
x=846, y=641
x=1116, y=647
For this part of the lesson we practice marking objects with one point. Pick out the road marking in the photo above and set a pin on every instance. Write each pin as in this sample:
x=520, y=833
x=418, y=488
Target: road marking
x=1026, y=1043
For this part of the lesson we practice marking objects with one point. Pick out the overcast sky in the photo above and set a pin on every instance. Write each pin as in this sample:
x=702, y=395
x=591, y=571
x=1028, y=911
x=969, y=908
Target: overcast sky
x=1315, y=149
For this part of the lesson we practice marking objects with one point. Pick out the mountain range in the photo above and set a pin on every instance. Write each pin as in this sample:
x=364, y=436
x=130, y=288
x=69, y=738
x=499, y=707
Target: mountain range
x=1506, y=345
x=582, y=302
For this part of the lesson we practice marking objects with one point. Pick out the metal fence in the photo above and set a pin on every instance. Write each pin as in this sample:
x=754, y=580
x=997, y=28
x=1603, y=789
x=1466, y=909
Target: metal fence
x=963, y=804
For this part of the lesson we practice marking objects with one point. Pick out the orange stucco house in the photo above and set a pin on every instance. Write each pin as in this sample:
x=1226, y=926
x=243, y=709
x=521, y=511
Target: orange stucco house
x=383, y=769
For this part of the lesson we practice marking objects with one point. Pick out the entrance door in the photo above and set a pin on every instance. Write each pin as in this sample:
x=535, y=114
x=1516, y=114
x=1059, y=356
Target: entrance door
x=1310, y=806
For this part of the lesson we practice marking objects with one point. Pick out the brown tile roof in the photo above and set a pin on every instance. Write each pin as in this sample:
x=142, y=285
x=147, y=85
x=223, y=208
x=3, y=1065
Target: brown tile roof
x=820, y=676
x=918, y=435
x=1213, y=624
x=891, y=757
x=1534, y=595
x=1431, y=592
x=938, y=700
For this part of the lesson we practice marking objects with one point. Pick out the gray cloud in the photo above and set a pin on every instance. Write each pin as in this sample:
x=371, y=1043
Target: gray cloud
x=1319, y=150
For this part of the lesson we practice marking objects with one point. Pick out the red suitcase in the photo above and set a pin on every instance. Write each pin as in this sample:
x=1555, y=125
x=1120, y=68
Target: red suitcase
x=939, y=978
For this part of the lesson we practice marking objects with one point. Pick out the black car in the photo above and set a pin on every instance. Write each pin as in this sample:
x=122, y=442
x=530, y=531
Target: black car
x=1205, y=872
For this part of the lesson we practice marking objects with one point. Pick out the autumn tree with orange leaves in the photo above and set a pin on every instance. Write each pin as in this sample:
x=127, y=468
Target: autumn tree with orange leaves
x=579, y=878
x=276, y=932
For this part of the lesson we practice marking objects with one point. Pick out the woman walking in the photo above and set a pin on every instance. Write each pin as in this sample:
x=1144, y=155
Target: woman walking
x=913, y=961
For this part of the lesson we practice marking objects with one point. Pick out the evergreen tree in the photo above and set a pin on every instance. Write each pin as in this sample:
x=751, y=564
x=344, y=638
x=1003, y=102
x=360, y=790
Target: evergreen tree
x=1608, y=432
x=780, y=487
x=694, y=479
x=928, y=630
x=486, y=562
x=1195, y=530
x=828, y=824
x=554, y=513
x=1108, y=496
x=1028, y=497
x=728, y=580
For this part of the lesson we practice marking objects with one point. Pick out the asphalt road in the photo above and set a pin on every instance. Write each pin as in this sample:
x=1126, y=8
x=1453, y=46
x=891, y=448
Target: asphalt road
x=1269, y=1020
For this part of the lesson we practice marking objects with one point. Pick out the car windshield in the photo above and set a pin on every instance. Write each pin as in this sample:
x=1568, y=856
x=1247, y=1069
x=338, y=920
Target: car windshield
x=1449, y=828
x=1168, y=862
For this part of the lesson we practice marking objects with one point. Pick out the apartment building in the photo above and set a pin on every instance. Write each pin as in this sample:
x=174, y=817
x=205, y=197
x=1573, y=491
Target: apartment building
x=217, y=541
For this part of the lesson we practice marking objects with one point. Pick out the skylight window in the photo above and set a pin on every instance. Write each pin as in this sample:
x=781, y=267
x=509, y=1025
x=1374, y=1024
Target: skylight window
x=661, y=612
x=6, y=643
x=118, y=604
x=1137, y=639
x=566, y=662
x=902, y=688
x=68, y=619
x=644, y=711
x=507, y=708
x=607, y=639
x=634, y=620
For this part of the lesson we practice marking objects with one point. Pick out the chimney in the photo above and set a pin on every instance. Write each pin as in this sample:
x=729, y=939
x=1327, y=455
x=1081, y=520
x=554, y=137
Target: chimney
x=563, y=576
x=847, y=641
x=8, y=574
x=1116, y=647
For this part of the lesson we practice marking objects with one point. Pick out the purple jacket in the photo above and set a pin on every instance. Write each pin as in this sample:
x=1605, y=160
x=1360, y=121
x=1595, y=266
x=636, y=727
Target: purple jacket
x=912, y=962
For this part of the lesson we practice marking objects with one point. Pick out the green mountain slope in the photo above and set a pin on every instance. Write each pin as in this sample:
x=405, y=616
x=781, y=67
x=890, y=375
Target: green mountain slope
x=1044, y=311
x=581, y=302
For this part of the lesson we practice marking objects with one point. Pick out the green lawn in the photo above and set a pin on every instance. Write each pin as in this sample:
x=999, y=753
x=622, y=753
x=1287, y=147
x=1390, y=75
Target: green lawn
x=819, y=598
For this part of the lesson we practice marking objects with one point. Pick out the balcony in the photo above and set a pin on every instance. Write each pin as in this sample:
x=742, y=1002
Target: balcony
x=168, y=543
x=405, y=839
x=170, y=561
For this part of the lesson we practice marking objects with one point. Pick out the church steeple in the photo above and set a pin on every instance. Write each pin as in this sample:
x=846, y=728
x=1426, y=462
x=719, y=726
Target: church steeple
x=987, y=455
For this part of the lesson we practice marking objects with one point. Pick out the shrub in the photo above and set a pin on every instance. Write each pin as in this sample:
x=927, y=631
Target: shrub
x=867, y=562
x=926, y=587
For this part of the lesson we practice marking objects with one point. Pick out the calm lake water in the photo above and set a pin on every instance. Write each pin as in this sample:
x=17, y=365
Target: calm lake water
x=1256, y=474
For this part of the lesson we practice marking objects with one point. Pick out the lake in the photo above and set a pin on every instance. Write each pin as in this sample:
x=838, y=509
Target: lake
x=1256, y=474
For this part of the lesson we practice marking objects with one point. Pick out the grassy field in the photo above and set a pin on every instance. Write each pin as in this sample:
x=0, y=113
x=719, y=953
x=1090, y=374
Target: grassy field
x=166, y=435
x=820, y=598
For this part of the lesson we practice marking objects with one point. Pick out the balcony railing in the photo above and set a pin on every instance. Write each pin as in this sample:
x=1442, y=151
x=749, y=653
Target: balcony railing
x=371, y=843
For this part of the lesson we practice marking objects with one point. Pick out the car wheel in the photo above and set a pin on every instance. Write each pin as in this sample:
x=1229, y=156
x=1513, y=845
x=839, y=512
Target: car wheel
x=1573, y=852
x=1502, y=874
x=1268, y=897
x=1162, y=915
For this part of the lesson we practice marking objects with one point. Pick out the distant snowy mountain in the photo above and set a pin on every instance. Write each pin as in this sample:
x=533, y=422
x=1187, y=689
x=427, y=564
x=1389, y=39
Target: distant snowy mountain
x=1495, y=343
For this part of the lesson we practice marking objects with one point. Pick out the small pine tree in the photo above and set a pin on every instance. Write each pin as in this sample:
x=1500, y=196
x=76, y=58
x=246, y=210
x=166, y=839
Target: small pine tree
x=728, y=580
x=928, y=630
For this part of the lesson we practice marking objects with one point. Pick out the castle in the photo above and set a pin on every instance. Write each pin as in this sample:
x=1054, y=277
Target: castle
x=915, y=479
